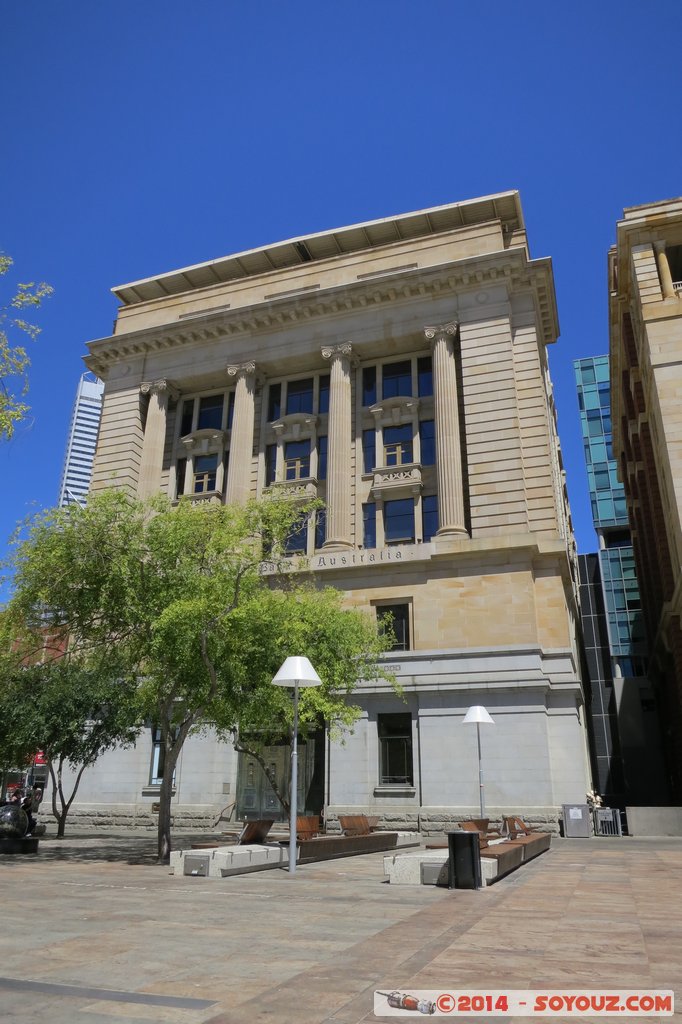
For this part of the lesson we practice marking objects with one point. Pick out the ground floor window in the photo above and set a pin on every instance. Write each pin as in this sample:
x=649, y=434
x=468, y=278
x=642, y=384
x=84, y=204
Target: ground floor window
x=158, y=757
x=395, y=749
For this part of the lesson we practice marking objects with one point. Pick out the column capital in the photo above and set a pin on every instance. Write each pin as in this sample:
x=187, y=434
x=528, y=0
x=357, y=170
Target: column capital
x=439, y=330
x=160, y=387
x=342, y=351
x=240, y=370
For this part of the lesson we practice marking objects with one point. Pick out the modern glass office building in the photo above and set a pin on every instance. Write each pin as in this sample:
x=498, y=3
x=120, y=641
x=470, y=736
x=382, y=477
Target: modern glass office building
x=624, y=726
x=82, y=440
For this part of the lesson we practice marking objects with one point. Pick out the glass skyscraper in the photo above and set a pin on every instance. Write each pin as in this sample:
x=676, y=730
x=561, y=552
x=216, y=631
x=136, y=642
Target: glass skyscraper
x=82, y=441
x=623, y=722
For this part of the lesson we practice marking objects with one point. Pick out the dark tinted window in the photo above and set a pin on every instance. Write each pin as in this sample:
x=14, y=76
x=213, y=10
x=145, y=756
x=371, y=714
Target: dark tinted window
x=300, y=396
x=429, y=516
x=210, y=412
x=274, y=402
x=322, y=457
x=424, y=377
x=369, y=454
x=186, y=417
x=369, y=385
x=399, y=521
x=395, y=749
x=369, y=525
x=427, y=442
x=397, y=379
x=324, y=394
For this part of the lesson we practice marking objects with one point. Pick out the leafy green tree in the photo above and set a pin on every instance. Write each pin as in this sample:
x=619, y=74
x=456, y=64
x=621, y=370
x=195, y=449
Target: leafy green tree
x=177, y=599
x=14, y=359
x=71, y=710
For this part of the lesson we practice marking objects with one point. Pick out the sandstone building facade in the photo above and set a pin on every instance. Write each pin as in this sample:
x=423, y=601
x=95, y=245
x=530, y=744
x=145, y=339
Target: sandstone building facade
x=645, y=283
x=398, y=370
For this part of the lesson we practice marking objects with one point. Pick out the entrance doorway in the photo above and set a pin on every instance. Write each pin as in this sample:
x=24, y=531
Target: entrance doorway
x=255, y=796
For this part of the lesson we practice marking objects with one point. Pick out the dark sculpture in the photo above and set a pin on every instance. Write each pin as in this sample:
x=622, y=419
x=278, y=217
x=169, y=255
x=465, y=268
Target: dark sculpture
x=13, y=822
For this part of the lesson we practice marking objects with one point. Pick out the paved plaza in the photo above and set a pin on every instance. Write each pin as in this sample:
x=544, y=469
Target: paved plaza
x=95, y=931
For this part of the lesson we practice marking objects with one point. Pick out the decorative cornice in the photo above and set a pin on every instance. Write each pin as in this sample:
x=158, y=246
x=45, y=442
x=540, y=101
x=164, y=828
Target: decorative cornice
x=511, y=269
x=206, y=441
x=160, y=387
x=392, y=410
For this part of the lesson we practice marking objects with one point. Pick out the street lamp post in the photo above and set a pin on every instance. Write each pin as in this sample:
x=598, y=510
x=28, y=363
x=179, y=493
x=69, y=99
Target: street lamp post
x=295, y=672
x=478, y=714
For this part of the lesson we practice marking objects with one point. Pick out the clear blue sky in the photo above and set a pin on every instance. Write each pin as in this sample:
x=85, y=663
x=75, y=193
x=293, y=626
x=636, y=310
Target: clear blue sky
x=142, y=136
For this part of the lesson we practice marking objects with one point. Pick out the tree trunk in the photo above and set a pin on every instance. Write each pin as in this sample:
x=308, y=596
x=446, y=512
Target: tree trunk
x=164, y=827
x=173, y=748
x=61, y=813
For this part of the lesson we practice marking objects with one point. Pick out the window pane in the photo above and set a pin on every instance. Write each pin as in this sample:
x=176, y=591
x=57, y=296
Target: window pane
x=369, y=385
x=274, y=402
x=297, y=541
x=398, y=445
x=297, y=459
x=369, y=525
x=180, y=468
x=320, y=527
x=300, y=396
x=322, y=457
x=270, y=464
x=205, y=473
x=368, y=450
x=399, y=521
x=395, y=618
x=186, y=417
x=395, y=749
x=210, y=412
x=397, y=379
x=429, y=516
x=427, y=442
x=324, y=394
x=424, y=376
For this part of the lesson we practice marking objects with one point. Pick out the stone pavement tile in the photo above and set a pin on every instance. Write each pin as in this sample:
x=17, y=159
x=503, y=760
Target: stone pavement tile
x=138, y=1012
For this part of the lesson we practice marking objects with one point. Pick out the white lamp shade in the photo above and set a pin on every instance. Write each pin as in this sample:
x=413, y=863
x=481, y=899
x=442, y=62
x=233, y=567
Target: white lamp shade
x=477, y=713
x=297, y=672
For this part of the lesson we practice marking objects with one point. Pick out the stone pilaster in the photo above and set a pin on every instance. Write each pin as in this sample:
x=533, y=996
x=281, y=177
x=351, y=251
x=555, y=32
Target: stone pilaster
x=151, y=463
x=339, y=448
x=664, y=274
x=241, y=439
x=448, y=443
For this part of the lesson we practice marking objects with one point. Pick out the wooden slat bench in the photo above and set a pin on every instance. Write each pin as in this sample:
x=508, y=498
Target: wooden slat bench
x=357, y=824
x=308, y=826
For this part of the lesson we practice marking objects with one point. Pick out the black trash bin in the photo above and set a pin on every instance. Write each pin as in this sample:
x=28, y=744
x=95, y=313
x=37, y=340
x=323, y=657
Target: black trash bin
x=464, y=862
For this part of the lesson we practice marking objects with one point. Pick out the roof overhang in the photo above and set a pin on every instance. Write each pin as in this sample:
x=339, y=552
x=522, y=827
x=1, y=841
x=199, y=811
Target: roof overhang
x=503, y=206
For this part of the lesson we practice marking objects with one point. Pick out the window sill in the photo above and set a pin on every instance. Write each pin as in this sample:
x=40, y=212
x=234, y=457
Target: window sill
x=395, y=790
x=154, y=791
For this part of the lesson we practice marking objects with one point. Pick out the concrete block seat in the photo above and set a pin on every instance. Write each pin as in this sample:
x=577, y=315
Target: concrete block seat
x=234, y=860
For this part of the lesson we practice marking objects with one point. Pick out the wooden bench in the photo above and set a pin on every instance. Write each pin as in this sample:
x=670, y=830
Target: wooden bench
x=532, y=840
x=357, y=824
x=308, y=826
x=255, y=831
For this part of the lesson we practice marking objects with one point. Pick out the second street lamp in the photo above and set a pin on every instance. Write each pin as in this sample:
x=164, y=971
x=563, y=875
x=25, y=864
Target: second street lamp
x=293, y=673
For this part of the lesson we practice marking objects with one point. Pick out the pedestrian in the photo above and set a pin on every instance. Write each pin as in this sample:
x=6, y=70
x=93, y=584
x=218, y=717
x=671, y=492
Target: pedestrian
x=27, y=808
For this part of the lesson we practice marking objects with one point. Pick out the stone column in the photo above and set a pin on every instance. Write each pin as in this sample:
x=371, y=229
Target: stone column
x=241, y=439
x=664, y=271
x=151, y=464
x=339, y=449
x=448, y=444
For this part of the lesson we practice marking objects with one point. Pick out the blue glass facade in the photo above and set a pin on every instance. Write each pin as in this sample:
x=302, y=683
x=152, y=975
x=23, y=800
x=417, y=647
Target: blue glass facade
x=613, y=625
x=609, y=513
